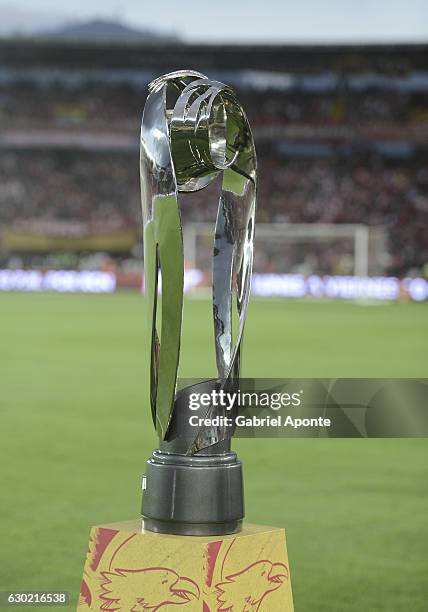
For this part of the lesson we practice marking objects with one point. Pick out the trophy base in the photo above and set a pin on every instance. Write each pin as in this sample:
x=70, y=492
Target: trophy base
x=191, y=529
x=197, y=495
x=128, y=568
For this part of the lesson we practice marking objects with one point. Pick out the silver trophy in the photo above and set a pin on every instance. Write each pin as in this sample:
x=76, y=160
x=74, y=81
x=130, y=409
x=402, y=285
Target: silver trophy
x=193, y=130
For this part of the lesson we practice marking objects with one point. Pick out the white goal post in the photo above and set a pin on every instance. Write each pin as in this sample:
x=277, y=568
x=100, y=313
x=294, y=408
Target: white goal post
x=363, y=246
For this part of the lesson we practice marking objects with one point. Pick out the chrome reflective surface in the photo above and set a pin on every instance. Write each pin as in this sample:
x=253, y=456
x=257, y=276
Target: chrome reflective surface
x=194, y=130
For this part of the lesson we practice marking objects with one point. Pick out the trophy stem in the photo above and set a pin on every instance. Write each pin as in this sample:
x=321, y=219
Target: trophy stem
x=195, y=495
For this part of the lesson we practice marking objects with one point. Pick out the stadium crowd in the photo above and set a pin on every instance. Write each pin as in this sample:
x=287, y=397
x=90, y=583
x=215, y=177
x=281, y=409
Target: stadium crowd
x=100, y=106
x=337, y=118
x=102, y=191
x=67, y=186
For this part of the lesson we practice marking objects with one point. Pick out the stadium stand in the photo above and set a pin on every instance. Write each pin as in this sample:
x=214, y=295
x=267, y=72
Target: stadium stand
x=341, y=134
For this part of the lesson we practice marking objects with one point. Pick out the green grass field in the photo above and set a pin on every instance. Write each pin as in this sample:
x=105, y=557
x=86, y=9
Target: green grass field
x=75, y=434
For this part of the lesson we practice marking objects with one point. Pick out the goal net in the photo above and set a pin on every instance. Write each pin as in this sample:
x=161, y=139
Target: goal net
x=284, y=248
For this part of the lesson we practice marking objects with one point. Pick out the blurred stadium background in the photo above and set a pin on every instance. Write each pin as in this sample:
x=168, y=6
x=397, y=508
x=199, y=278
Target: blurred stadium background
x=341, y=134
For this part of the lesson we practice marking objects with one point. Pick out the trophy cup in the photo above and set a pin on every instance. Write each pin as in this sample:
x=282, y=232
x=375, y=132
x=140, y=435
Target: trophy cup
x=191, y=548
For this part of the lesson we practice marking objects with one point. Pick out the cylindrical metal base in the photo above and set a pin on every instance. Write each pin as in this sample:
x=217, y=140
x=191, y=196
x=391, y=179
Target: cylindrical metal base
x=193, y=495
x=191, y=529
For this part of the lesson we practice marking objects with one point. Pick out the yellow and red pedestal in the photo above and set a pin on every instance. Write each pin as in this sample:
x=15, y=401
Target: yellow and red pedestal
x=134, y=570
